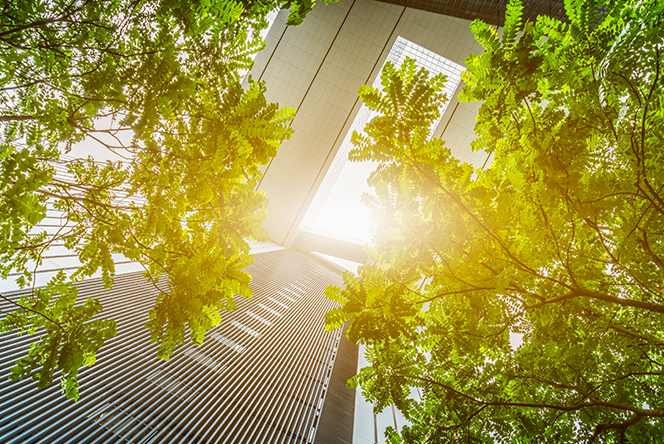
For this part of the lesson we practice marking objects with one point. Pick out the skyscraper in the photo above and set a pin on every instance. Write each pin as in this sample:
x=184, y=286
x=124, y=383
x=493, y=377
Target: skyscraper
x=260, y=376
x=317, y=68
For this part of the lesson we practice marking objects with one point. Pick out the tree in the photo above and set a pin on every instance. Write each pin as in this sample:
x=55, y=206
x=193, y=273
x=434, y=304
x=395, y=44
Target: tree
x=156, y=82
x=559, y=241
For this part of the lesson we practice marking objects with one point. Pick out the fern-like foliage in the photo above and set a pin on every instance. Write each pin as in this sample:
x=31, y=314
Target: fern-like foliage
x=183, y=203
x=523, y=300
x=512, y=26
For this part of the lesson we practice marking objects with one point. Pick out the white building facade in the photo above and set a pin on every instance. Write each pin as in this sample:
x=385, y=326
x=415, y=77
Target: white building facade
x=317, y=68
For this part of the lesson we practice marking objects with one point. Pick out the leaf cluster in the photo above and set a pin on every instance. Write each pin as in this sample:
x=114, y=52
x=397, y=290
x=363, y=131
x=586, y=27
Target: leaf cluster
x=523, y=300
x=69, y=337
x=157, y=83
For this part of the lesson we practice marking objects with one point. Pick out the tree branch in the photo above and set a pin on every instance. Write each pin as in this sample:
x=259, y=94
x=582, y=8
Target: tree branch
x=636, y=335
x=623, y=425
x=602, y=297
x=35, y=312
x=10, y=118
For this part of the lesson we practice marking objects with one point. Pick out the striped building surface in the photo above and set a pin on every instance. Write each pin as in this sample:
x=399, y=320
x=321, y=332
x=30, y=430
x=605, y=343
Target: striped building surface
x=260, y=376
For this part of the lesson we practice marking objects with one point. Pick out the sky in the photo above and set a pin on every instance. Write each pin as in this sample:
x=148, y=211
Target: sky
x=343, y=211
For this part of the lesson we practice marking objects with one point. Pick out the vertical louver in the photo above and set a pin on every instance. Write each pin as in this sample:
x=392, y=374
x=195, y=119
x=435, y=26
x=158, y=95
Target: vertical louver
x=261, y=376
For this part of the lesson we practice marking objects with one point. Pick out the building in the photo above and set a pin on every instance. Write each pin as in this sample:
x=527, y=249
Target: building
x=260, y=376
x=317, y=68
x=269, y=372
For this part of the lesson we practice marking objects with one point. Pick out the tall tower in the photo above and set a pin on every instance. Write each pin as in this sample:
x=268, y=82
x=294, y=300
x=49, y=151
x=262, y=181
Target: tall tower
x=260, y=376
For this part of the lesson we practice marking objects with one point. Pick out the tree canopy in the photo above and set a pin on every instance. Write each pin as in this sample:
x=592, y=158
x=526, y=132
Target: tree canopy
x=157, y=83
x=559, y=241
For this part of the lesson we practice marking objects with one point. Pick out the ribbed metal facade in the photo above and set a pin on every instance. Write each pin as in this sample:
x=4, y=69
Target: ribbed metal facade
x=260, y=376
x=490, y=11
